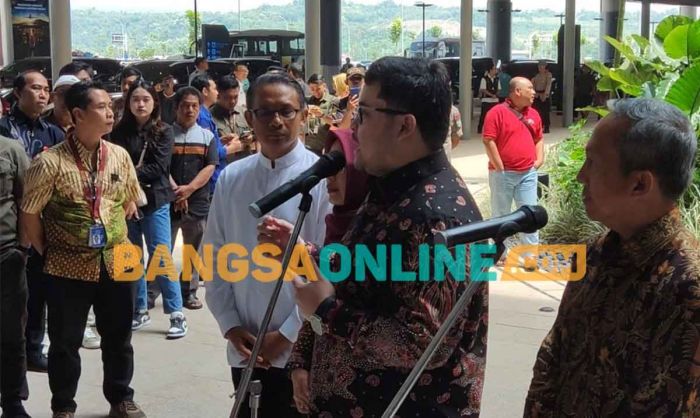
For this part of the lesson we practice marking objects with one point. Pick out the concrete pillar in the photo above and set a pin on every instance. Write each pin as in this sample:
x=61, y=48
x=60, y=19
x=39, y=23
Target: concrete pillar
x=646, y=18
x=498, y=29
x=312, y=37
x=608, y=26
x=330, y=38
x=569, y=62
x=465, y=65
x=6, y=48
x=61, y=44
x=689, y=11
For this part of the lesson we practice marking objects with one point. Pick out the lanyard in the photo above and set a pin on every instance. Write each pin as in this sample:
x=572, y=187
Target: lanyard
x=92, y=190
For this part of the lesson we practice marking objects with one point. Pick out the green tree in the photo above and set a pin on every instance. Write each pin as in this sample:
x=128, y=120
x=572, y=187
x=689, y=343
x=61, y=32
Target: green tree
x=476, y=36
x=395, y=30
x=435, y=31
x=191, y=22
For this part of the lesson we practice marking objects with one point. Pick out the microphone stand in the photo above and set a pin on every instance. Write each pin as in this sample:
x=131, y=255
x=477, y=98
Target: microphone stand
x=457, y=310
x=304, y=207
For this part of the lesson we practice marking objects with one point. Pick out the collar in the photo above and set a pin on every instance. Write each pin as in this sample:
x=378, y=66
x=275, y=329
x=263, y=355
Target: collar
x=642, y=246
x=284, y=161
x=20, y=117
x=185, y=130
x=220, y=112
x=84, y=153
x=389, y=188
x=512, y=106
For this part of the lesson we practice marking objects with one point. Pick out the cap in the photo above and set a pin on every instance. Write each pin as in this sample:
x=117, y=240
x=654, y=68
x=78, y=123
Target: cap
x=355, y=71
x=65, y=80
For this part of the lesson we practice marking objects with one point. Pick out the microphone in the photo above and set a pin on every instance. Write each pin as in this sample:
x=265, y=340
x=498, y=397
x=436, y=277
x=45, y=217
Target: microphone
x=528, y=219
x=328, y=165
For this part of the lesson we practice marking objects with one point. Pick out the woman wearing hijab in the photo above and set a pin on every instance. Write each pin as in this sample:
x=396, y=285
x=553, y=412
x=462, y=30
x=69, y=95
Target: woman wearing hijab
x=346, y=191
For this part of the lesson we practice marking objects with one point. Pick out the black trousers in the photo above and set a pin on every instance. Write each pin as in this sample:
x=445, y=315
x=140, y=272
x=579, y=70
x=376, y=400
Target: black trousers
x=38, y=285
x=485, y=107
x=69, y=303
x=543, y=108
x=13, y=319
x=276, y=399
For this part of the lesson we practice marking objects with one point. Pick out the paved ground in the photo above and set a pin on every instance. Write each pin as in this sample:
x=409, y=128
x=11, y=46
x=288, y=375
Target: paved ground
x=188, y=378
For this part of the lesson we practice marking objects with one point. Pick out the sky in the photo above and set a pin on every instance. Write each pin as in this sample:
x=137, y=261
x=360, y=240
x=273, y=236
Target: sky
x=232, y=5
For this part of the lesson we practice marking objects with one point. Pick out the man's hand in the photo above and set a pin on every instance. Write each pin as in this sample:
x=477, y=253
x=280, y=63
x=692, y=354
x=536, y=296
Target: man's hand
x=243, y=342
x=182, y=206
x=130, y=210
x=310, y=295
x=302, y=394
x=353, y=103
x=183, y=192
x=233, y=146
x=275, y=231
x=274, y=345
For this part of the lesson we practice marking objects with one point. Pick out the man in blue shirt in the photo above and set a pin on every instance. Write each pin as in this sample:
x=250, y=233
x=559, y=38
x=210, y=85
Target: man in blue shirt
x=207, y=87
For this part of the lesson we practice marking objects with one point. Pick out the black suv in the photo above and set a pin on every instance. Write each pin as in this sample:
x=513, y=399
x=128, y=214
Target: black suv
x=479, y=66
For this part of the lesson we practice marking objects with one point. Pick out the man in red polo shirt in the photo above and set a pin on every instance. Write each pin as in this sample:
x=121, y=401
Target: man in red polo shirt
x=513, y=140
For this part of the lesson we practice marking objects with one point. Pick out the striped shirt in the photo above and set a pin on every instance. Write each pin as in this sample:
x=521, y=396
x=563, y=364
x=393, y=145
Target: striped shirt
x=54, y=188
x=194, y=149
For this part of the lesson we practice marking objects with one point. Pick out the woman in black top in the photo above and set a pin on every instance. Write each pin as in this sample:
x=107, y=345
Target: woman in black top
x=149, y=142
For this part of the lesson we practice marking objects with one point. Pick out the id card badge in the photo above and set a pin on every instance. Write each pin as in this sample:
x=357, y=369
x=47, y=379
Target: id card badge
x=97, y=236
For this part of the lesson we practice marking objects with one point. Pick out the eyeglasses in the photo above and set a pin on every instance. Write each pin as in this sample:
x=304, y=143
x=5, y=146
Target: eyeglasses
x=360, y=114
x=267, y=114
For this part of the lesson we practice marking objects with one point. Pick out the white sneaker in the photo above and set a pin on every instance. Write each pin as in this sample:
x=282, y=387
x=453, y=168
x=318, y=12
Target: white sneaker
x=178, y=326
x=91, y=339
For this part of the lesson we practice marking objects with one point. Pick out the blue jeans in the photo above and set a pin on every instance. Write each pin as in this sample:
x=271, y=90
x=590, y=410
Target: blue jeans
x=507, y=186
x=156, y=229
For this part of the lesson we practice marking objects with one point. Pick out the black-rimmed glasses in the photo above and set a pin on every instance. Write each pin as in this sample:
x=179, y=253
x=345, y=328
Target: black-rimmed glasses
x=360, y=114
x=267, y=115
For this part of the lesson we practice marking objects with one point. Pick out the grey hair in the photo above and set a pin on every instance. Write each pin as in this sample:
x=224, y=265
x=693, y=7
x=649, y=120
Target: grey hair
x=660, y=139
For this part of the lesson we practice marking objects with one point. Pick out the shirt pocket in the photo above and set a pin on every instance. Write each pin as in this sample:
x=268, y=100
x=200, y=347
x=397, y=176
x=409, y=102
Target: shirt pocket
x=7, y=177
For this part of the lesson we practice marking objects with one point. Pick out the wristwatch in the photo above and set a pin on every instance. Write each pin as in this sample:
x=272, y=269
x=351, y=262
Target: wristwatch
x=316, y=318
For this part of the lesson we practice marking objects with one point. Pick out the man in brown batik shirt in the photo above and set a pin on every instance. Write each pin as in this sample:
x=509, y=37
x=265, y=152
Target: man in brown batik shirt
x=625, y=342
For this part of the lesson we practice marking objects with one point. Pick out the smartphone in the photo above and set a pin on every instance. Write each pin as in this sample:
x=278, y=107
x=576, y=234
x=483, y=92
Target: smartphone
x=354, y=91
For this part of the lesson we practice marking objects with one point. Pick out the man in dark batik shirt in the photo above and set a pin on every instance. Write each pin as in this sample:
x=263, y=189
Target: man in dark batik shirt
x=374, y=331
x=625, y=342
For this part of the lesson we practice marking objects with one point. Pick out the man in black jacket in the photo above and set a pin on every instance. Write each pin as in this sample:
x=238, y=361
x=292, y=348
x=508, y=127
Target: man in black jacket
x=34, y=134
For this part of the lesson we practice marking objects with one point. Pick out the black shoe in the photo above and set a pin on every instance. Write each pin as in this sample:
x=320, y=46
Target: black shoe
x=192, y=303
x=37, y=362
x=14, y=410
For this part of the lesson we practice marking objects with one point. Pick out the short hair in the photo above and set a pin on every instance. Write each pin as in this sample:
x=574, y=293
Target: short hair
x=239, y=64
x=417, y=86
x=274, y=78
x=316, y=79
x=199, y=60
x=227, y=82
x=73, y=68
x=187, y=91
x=201, y=81
x=129, y=72
x=78, y=95
x=21, y=80
x=660, y=139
